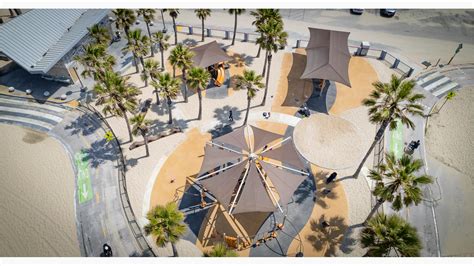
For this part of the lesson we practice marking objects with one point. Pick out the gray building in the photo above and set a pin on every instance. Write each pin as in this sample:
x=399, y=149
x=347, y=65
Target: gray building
x=44, y=41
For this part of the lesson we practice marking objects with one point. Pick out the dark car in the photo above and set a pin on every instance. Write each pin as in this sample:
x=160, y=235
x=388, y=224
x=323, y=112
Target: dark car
x=357, y=11
x=388, y=12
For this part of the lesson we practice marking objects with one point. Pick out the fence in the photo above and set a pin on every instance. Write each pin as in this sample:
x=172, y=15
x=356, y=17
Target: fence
x=218, y=33
x=127, y=208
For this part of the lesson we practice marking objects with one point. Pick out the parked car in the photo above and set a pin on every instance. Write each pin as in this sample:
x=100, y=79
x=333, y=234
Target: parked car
x=357, y=11
x=388, y=12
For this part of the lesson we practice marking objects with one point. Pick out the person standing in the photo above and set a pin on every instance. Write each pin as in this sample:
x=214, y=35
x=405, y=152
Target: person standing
x=231, y=116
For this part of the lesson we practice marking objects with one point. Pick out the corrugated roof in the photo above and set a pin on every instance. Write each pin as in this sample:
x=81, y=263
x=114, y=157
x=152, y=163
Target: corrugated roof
x=38, y=39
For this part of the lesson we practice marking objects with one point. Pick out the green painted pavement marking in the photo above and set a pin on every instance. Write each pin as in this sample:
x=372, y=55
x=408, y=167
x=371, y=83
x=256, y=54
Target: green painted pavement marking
x=83, y=180
x=396, y=140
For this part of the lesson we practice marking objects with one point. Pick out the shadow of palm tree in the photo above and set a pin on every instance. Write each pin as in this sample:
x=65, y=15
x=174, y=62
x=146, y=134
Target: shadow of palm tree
x=324, y=191
x=305, y=189
x=327, y=238
x=189, y=42
x=222, y=114
x=84, y=124
x=101, y=152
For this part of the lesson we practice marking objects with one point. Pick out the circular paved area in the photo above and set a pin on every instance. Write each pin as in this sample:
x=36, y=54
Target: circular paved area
x=321, y=138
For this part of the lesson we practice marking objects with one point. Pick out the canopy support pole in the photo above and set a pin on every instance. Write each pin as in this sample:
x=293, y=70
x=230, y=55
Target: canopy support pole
x=271, y=147
x=238, y=190
x=269, y=189
x=224, y=147
x=285, y=167
x=220, y=170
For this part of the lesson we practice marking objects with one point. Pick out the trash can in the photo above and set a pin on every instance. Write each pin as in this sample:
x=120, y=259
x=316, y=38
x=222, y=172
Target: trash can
x=364, y=48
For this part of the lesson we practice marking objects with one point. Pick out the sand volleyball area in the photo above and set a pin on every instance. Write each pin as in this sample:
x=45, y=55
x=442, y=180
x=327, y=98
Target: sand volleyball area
x=36, y=195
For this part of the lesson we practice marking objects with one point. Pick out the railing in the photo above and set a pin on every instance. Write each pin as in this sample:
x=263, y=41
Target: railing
x=127, y=208
x=218, y=33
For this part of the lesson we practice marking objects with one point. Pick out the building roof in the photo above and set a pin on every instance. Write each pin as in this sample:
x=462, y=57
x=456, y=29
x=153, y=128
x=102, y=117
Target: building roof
x=38, y=39
x=209, y=54
x=328, y=56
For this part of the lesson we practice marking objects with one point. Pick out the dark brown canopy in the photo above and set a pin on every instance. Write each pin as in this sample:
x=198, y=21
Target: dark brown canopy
x=328, y=56
x=209, y=54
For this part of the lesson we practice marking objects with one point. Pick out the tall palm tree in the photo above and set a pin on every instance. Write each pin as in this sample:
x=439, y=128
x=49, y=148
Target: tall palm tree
x=389, y=103
x=164, y=30
x=251, y=82
x=169, y=89
x=150, y=70
x=95, y=61
x=124, y=19
x=117, y=96
x=221, y=250
x=202, y=14
x=397, y=182
x=166, y=224
x=181, y=57
x=384, y=234
x=174, y=15
x=235, y=12
x=261, y=17
x=162, y=40
x=448, y=97
x=138, y=45
x=148, y=15
x=273, y=37
x=141, y=126
x=199, y=79
x=100, y=34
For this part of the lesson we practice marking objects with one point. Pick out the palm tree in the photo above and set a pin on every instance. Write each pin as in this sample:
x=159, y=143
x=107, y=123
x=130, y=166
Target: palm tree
x=148, y=15
x=384, y=234
x=202, y=14
x=261, y=17
x=150, y=70
x=389, y=103
x=117, y=95
x=251, y=82
x=235, y=12
x=397, y=182
x=174, y=15
x=162, y=40
x=181, y=57
x=141, y=126
x=221, y=250
x=101, y=35
x=124, y=19
x=166, y=224
x=138, y=45
x=169, y=89
x=448, y=97
x=273, y=37
x=199, y=79
x=95, y=61
x=164, y=30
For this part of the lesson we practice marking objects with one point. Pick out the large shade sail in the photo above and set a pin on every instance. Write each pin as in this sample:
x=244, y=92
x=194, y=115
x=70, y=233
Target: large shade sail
x=209, y=54
x=328, y=56
x=244, y=182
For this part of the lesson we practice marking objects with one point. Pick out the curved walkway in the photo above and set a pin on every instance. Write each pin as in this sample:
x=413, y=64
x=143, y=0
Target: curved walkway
x=99, y=213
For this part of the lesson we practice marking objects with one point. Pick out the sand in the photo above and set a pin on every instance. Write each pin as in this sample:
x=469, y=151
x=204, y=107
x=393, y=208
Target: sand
x=449, y=133
x=36, y=196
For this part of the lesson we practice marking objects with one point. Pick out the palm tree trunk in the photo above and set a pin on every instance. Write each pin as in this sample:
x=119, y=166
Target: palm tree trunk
x=151, y=39
x=136, y=63
x=174, y=71
x=185, y=86
x=374, y=209
x=202, y=20
x=162, y=58
x=130, y=136
x=157, y=97
x=163, y=20
x=248, y=110
x=200, y=103
x=126, y=34
x=259, y=47
x=445, y=100
x=175, y=32
x=145, y=138
x=170, y=121
x=235, y=28
x=265, y=64
x=267, y=78
x=142, y=62
x=377, y=138
x=175, y=251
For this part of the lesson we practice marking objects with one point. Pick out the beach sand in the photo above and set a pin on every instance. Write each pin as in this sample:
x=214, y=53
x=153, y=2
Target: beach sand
x=36, y=196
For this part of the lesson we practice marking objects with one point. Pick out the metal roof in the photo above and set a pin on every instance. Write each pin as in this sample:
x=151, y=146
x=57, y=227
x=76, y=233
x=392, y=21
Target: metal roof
x=38, y=39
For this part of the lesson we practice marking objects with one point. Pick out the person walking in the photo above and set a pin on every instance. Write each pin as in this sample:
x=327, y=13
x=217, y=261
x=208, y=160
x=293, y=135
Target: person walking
x=231, y=116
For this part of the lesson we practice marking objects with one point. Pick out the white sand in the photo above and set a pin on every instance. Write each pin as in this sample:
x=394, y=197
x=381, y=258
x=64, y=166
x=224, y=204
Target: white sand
x=449, y=133
x=37, y=216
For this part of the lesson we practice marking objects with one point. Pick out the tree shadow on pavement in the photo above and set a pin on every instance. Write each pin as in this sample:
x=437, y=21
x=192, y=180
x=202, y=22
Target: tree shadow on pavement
x=83, y=124
x=324, y=191
x=222, y=114
x=101, y=152
x=327, y=238
x=304, y=190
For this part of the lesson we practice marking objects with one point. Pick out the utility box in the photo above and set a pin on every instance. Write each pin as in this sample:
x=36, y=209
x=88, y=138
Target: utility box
x=364, y=48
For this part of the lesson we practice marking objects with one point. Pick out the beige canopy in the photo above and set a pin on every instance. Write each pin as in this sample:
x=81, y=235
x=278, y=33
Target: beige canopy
x=209, y=54
x=250, y=179
x=328, y=56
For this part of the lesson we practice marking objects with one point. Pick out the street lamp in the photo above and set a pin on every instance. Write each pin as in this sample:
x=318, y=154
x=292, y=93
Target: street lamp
x=455, y=52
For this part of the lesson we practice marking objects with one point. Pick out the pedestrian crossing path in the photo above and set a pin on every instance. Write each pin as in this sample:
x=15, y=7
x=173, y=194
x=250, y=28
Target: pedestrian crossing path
x=437, y=83
x=28, y=113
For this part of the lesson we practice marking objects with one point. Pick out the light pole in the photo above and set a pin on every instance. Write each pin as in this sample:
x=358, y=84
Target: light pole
x=455, y=52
